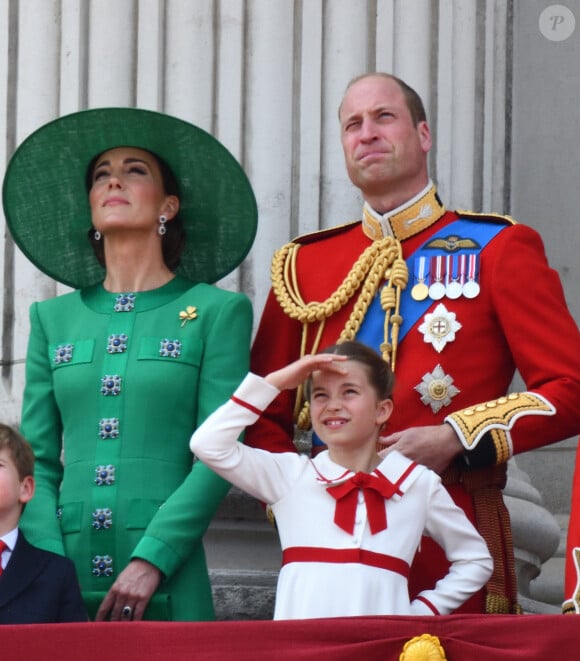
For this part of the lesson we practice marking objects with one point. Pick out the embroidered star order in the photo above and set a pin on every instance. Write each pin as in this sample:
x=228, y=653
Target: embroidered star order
x=439, y=327
x=437, y=389
x=188, y=314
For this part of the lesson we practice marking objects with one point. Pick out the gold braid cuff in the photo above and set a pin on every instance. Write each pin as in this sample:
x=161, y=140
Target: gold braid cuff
x=382, y=262
x=572, y=606
x=497, y=416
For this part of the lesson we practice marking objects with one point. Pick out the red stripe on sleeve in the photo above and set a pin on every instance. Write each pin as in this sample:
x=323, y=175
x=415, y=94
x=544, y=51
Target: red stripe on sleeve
x=251, y=408
x=428, y=604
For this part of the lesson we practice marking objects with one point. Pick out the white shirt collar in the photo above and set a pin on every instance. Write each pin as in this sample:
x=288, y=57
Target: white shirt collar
x=9, y=539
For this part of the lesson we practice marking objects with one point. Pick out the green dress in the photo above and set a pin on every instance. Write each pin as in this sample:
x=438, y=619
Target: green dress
x=115, y=386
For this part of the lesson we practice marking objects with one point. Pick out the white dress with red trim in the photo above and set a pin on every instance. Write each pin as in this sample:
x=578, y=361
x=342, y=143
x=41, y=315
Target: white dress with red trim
x=339, y=559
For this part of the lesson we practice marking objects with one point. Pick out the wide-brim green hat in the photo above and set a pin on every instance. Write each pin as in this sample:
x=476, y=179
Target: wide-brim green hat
x=46, y=201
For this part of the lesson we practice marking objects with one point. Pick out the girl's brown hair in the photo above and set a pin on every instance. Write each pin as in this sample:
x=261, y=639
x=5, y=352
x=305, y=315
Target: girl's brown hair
x=379, y=372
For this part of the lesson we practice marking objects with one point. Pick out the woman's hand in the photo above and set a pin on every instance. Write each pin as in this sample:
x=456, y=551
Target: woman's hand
x=130, y=593
x=296, y=373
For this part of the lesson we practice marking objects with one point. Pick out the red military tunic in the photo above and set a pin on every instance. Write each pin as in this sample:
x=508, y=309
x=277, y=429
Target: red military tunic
x=519, y=320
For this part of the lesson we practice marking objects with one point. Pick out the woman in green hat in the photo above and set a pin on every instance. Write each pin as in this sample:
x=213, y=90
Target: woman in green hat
x=138, y=212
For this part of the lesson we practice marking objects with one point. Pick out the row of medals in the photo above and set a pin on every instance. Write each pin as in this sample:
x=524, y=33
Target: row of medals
x=446, y=275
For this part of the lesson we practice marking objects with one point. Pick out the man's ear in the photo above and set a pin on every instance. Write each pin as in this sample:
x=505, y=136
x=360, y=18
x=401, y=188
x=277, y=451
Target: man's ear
x=424, y=136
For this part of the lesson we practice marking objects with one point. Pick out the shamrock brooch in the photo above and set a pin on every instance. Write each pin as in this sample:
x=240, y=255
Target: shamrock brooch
x=188, y=314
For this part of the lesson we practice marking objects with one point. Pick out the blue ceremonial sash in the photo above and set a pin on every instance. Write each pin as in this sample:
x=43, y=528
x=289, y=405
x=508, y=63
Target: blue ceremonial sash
x=372, y=332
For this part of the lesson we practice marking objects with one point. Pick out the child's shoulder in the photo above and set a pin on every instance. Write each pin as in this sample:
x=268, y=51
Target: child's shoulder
x=401, y=470
x=41, y=556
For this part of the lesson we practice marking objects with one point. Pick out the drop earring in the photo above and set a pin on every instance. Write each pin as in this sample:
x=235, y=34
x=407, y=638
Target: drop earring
x=97, y=235
x=162, y=229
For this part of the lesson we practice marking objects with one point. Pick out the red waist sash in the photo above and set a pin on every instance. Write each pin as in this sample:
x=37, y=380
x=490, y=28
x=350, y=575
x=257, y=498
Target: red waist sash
x=360, y=556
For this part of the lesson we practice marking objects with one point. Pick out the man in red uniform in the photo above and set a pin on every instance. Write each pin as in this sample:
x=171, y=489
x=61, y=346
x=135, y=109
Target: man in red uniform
x=456, y=301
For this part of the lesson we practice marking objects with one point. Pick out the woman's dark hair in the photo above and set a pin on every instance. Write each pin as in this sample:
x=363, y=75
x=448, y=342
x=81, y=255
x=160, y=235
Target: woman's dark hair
x=172, y=242
x=380, y=374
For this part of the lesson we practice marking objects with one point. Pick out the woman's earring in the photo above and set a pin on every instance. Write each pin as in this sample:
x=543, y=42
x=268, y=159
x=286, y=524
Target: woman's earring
x=97, y=235
x=162, y=229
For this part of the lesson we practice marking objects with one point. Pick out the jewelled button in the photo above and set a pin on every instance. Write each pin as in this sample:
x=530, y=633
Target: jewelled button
x=63, y=353
x=108, y=428
x=170, y=348
x=102, y=565
x=102, y=519
x=105, y=475
x=124, y=302
x=117, y=343
x=110, y=384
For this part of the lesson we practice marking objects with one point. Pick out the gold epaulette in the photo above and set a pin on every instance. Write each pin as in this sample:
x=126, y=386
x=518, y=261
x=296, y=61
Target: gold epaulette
x=498, y=417
x=319, y=235
x=492, y=217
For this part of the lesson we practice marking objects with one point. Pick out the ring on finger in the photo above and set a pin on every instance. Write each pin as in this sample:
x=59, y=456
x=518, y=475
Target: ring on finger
x=127, y=612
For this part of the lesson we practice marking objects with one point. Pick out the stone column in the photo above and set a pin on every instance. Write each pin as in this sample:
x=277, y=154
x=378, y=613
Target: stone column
x=536, y=535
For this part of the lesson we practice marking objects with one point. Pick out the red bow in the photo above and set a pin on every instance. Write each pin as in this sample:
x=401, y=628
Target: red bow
x=376, y=489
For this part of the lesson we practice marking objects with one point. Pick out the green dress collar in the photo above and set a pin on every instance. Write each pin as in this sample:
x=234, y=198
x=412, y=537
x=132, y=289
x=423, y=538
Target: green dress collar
x=98, y=299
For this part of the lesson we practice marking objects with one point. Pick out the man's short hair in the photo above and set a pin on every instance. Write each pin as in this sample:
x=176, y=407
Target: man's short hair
x=412, y=99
